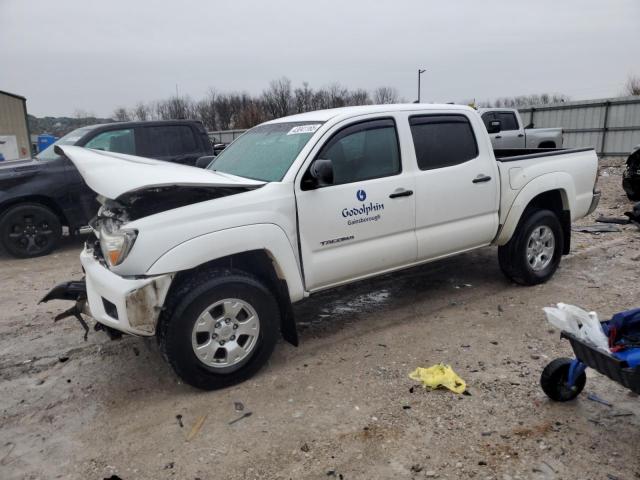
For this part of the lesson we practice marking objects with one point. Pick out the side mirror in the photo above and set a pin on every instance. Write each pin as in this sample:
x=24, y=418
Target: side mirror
x=494, y=126
x=320, y=174
x=203, y=162
x=219, y=147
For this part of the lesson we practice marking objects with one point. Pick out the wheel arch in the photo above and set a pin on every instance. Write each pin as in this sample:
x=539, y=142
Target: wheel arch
x=262, y=250
x=538, y=194
x=633, y=161
x=547, y=144
x=39, y=199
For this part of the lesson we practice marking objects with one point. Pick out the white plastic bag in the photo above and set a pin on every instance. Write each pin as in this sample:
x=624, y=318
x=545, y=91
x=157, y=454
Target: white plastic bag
x=559, y=319
x=584, y=325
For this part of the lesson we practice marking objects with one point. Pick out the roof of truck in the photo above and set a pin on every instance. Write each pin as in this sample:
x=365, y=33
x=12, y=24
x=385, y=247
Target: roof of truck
x=145, y=123
x=346, y=112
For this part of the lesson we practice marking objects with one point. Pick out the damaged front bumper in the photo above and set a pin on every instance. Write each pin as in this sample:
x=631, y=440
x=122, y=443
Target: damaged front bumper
x=130, y=305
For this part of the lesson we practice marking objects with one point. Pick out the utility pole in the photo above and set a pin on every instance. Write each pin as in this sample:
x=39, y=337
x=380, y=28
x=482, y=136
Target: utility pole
x=420, y=72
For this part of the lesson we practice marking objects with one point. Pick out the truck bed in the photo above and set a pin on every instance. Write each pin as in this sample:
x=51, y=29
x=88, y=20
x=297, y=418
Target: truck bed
x=515, y=154
x=524, y=171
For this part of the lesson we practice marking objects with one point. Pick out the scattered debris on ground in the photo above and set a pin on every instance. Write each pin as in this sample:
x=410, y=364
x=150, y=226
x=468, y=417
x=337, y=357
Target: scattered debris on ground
x=438, y=376
x=616, y=220
x=196, y=427
x=595, y=228
x=241, y=417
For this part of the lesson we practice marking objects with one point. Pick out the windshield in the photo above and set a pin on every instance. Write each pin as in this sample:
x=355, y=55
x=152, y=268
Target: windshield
x=69, y=139
x=265, y=152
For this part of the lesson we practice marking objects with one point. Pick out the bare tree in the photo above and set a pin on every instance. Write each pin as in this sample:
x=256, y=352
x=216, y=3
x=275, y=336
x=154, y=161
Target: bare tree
x=303, y=98
x=525, y=100
x=278, y=98
x=337, y=95
x=359, y=97
x=382, y=95
x=175, y=108
x=251, y=114
x=321, y=99
x=633, y=85
x=242, y=110
x=206, y=110
x=140, y=112
x=120, y=114
x=224, y=111
x=80, y=113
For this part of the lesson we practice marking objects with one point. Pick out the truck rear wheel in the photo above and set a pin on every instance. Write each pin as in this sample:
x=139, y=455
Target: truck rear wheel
x=29, y=230
x=534, y=252
x=219, y=328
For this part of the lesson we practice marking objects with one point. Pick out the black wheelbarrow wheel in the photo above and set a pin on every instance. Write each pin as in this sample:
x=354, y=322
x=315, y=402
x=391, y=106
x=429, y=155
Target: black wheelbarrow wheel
x=554, y=380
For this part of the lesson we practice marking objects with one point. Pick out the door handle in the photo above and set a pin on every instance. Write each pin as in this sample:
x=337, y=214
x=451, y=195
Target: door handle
x=481, y=178
x=401, y=193
x=520, y=135
x=498, y=136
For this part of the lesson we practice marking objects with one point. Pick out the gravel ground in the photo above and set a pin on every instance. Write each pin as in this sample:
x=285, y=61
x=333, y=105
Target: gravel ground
x=341, y=405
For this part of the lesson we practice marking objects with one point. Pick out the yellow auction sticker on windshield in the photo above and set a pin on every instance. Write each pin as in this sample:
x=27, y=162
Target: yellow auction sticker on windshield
x=304, y=129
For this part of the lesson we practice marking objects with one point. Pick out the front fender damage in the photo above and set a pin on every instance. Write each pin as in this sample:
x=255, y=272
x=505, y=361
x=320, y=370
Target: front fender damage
x=145, y=304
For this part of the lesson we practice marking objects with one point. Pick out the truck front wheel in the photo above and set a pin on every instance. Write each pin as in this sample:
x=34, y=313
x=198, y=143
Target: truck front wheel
x=219, y=328
x=534, y=252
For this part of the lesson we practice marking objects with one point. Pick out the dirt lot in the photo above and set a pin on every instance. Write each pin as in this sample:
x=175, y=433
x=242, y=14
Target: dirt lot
x=340, y=405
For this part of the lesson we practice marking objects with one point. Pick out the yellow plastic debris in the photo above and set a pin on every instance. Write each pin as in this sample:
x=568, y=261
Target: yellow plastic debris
x=439, y=375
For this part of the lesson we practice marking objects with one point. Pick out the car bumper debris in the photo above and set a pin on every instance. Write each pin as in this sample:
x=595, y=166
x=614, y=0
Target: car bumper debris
x=130, y=305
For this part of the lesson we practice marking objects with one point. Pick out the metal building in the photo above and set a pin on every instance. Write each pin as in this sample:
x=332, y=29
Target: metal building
x=15, y=142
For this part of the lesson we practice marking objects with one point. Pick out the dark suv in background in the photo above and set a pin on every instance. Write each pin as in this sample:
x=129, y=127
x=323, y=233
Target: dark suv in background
x=40, y=196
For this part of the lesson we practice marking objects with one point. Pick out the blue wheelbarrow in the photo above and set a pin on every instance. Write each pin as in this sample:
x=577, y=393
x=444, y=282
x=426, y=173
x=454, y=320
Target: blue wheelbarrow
x=564, y=378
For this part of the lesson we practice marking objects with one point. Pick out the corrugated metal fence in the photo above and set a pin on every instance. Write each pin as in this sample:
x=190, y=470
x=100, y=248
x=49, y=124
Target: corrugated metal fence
x=611, y=125
x=224, y=136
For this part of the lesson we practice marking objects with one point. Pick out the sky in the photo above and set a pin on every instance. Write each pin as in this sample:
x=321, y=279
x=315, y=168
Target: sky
x=89, y=55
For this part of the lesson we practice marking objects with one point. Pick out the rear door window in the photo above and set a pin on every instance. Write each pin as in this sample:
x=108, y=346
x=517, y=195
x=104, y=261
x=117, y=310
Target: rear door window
x=119, y=141
x=170, y=141
x=442, y=140
x=487, y=118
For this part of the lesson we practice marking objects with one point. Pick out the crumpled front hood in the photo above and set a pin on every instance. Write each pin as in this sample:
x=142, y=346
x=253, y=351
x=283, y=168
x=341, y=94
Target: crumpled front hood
x=114, y=174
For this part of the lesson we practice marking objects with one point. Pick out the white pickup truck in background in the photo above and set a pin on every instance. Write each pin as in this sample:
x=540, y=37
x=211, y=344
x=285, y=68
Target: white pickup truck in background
x=211, y=260
x=512, y=134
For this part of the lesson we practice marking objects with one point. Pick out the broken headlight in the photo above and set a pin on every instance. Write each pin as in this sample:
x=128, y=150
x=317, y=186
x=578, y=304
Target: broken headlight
x=115, y=242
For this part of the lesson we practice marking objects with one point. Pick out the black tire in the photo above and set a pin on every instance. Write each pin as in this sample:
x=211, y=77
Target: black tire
x=632, y=189
x=189, y=300
x=513, y=256
x=554, y=381
x=30, y=230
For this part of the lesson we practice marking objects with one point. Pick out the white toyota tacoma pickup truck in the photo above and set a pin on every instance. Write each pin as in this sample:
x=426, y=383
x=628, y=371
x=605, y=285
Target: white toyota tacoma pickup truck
x=211, y=260
x=507, y=131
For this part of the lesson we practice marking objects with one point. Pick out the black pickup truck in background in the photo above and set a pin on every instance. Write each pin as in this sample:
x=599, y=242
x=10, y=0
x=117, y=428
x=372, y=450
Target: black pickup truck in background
x=40, y=196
